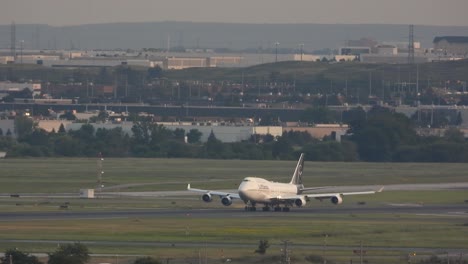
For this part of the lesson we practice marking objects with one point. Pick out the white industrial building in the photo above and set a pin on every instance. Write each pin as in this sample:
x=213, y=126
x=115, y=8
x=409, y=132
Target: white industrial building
x=356, y=51
x=402, y=46
x=223, y=132
x=6, y=59
x=393, y=58
x=451, y=45
x=386, y=50
x=178, y=63
x=7, y=87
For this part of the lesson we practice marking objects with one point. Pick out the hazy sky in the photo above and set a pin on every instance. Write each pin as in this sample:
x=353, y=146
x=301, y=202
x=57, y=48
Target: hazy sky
x=73, y=12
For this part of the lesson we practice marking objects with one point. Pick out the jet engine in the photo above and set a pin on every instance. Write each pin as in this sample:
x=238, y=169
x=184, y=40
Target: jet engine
x=207, y=197
x=300, y=202
x=226, y=200
x=337, y=200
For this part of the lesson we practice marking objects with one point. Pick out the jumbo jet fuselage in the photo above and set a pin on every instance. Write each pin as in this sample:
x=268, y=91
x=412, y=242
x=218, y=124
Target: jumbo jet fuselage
x=258, y=190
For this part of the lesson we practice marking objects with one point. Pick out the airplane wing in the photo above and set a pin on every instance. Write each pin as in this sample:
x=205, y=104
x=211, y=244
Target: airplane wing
x=315, y=188
x=218, y=193
x=329, y=195
x=320, y=196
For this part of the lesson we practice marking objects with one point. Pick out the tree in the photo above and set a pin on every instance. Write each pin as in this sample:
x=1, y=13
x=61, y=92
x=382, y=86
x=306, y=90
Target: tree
x=214, y=147
x=282, y=148
x=68, y=115
x=65, y=145
x=75, y=253
x=141, y=132
x=179, y=134
x=154, y=72
x=85, y=133
x=23, y=126
x=15, y=256
x=331, y=151
x=263, y=245
x=37, y=137
x=1, y=132
x=193, y=136
x=146, y=260
x=62, y=128
x=379, y=136
x=354, y=115
x=112, y=142
x=318, y=115
x=454, y=135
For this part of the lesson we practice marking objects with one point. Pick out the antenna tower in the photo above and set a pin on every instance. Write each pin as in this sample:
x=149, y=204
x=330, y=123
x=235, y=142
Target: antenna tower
x=411, y=45
x=13, y=40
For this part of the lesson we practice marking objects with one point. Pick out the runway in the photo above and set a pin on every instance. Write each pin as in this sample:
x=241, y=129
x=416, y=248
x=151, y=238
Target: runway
x=238, y=212
x=388, y=187
x=441, y=210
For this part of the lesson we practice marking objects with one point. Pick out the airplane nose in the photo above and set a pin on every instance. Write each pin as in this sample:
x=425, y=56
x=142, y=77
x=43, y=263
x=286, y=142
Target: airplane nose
x=243, y=192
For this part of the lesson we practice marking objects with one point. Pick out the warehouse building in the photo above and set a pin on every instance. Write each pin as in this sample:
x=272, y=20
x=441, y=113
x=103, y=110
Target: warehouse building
x=451, y=45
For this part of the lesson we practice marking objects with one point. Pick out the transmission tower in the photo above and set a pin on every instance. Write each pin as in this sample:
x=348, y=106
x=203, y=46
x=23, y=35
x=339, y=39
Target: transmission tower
x=411, y=45
x=13, y=40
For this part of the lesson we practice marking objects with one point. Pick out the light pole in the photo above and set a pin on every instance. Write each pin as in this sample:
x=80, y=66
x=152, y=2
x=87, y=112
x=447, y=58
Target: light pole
x=276, y=51
x=21, y=49
x=302, y=47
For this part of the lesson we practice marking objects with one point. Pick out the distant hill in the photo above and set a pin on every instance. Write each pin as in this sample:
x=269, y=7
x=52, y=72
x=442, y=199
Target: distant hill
x=214, y=35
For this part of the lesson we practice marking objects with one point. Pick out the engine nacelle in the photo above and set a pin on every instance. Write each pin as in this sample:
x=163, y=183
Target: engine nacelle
x=300, y=202
x=207, y=198
x=226, y=200
x=336, y=200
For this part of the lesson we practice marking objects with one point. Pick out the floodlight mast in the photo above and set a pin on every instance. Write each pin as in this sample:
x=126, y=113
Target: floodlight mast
x=100, y=171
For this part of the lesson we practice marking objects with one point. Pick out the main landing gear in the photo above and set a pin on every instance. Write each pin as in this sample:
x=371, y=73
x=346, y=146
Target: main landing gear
x=279, y=209
x=250, y=207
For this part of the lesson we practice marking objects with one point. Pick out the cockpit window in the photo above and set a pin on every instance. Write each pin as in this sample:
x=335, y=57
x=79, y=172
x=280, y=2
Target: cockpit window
x=246, y=180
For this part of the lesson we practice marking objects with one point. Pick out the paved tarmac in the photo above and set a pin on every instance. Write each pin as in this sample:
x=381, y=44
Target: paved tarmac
x=450, y=210
x=205, y=244
x=446, y=210
x=390, y=187
x=108, y=193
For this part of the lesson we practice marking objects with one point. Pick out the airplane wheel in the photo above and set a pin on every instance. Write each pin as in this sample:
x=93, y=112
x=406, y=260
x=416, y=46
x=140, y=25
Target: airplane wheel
x=286, y=209
x=278, y=209
x=266, y=209
x=253, y=209
x=247, y=208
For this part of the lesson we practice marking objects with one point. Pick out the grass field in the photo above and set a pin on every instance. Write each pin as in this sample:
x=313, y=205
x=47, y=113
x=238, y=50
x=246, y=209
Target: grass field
x=69, y=175
x=392, y=231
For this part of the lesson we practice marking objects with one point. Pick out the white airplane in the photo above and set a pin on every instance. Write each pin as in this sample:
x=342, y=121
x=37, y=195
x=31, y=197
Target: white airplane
x=255, y=191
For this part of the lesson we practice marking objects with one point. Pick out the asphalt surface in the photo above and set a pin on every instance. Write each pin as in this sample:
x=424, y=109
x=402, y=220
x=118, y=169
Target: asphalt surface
x=448, y=210
x=108, y=192
x=391, y=187
x=206, y=244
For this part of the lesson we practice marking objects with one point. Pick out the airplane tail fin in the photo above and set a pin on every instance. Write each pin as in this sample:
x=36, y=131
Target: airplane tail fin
x=297, y=176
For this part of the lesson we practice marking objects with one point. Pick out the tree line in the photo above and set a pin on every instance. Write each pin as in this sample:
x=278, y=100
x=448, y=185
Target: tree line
x=379, y=135
x=75, y=253
x=78, y=253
